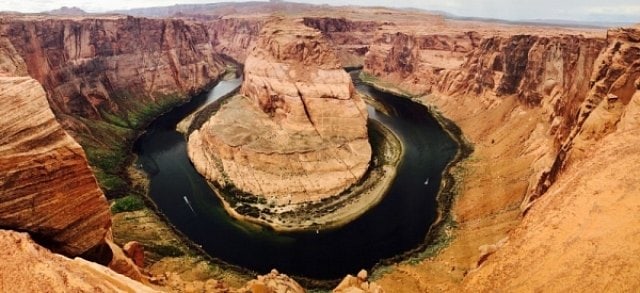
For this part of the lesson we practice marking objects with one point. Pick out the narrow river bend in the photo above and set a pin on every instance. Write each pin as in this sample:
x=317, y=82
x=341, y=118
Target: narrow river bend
x=399, y=223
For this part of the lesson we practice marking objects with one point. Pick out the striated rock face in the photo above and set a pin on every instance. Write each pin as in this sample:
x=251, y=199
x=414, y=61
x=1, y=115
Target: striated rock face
x=350, y=38
x=581, y=233
x=106, y=78
x=297, y=133
x=28, y=267
x=547, y=201
x=47, y=188
x=416, y=61
x=548, y=72
x=234, y=36
x=613, y=83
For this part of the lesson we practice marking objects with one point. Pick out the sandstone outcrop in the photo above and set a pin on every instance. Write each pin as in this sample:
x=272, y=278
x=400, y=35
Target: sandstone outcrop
x=47, y=188
x=581, y=218
x=107, y=77
x=29, y=267
x=298, y=133
x=358, y=284
x=274, y=282
x=135, y=251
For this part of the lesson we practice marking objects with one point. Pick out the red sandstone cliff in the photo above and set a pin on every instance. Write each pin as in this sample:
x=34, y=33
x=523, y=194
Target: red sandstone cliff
x=106, y=78
x=350, y=38
x=549, y=115
x=47, y=188
x=234, y=36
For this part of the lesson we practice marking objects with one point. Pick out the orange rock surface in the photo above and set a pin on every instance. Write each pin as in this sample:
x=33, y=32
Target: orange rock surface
x=29, y=267
x=298, y=132
x=47, y=188
x=545, y=198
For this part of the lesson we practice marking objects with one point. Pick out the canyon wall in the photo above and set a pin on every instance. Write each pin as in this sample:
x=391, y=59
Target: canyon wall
x=234, y=36
x=47, y=188
x=349, y=38
x=299, y=131
x=107, y=77
x=580, y=235
x=545, y=198
x=546, y=72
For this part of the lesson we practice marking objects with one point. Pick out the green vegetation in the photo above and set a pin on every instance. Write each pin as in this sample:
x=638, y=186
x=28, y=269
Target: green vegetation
x=128, y=203
x=107, y=140
x=165, y=250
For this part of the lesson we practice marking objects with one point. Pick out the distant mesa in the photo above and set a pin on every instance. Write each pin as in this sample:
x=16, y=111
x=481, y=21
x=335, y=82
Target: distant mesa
x=67, y=11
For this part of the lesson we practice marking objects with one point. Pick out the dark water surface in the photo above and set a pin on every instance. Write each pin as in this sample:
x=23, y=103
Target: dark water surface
x=399, y=223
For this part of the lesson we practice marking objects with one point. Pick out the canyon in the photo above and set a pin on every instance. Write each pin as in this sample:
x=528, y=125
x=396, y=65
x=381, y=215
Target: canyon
x=544, y=202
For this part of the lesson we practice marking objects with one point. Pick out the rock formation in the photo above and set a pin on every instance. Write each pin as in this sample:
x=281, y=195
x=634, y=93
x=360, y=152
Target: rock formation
x=298, y=132
x=107, y=77
x=350, y=38
x=546, y=113
x=583, y=210
x=29, y=267
x=47, y=188
x=234, y=36
x=274, y=282
x=358, y=284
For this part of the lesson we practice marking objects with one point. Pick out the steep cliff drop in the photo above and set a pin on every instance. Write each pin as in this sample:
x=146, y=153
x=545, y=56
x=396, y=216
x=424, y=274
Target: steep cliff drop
x=43, y=168
x=297, y=134
x=48, y=190
x=108, y=77
x=547, y=114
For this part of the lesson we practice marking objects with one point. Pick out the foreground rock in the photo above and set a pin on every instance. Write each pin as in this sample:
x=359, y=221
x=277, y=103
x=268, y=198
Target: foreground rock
x=47, y=188
x=29, y=267
x=358, y=284
x=274, y=282
x=298, y=133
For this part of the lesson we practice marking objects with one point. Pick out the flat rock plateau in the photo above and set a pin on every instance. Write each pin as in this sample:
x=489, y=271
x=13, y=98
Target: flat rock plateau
x=547, y=200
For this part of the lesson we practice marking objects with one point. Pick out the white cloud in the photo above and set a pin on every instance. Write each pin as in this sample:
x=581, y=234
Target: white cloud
x=628, y=9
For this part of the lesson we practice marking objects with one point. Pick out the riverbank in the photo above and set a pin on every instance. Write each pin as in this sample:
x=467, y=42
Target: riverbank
x=440, y=233
x=167, y=250
x=410, y=201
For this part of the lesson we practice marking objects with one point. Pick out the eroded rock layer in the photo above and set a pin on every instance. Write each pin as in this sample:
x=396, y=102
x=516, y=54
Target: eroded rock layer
x=46, y=186
x=29, y=267
x=107, y=77
x=549, y=114
x=298, y=132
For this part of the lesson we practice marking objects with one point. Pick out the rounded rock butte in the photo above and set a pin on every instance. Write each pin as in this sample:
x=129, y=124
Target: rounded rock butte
x=297, y=132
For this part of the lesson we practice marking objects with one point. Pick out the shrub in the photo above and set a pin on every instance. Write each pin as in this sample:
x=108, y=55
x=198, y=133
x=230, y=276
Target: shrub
x=128, y=203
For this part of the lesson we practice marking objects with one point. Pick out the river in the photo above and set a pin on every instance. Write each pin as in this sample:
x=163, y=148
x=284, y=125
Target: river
x=399, y=223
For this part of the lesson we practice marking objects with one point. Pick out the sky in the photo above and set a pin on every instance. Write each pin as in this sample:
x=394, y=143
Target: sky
x=582, y=10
